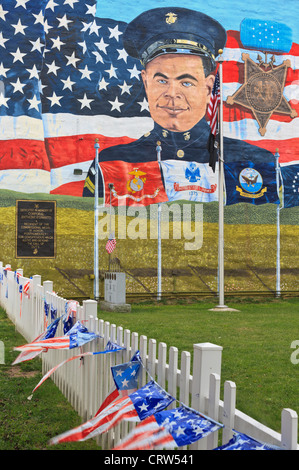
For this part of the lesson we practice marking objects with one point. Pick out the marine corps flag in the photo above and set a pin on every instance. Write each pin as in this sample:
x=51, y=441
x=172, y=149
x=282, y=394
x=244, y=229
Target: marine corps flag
x=133, y=183
x=249, y=182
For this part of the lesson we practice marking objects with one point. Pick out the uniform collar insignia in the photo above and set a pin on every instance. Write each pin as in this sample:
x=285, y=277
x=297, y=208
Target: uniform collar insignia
x=183, y=139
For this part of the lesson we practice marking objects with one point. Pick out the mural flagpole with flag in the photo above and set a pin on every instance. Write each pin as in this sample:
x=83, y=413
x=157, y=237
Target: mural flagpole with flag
x=96, y=224
x=159, y=273
x=278, y=208
x=219, y=97
x=215, y=146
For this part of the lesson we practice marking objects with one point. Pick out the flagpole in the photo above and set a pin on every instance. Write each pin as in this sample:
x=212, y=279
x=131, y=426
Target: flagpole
x=277, y=229
x=159, y=273
x=96, y=223
x=110, y=185
x=221, y=196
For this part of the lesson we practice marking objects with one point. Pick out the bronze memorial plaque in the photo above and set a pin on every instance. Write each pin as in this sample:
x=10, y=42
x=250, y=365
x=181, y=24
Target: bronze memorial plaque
x=35, y=229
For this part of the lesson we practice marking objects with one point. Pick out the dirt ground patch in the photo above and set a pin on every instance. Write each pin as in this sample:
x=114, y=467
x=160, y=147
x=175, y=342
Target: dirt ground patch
x=16, y=371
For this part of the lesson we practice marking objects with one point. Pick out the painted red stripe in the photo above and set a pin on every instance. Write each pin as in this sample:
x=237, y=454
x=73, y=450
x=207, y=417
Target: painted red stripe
x=233, y=39
x=238, y=112
x=78, y=148
x=70, y=189
x=23, y=154
x=234, y=72
x=288, y=149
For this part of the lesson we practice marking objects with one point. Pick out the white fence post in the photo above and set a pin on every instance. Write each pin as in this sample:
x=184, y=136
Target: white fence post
x=206, y=361
x=48, y=286
x=229, y=408
x=213, y=410
x=289, y=429
x=90, y=308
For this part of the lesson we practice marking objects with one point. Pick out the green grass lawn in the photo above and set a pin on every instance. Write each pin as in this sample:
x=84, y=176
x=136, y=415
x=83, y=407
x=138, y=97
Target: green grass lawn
x=256, y=355
x=24, y=424
x=256, y=345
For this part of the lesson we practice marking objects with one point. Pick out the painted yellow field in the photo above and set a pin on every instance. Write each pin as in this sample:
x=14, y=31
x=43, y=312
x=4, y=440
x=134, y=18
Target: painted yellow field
x=250, y=255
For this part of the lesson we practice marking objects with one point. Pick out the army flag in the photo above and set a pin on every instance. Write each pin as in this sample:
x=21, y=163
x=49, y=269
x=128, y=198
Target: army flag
x=189, y=181
x=290, y=176
x=133, y=183
x=250, y=182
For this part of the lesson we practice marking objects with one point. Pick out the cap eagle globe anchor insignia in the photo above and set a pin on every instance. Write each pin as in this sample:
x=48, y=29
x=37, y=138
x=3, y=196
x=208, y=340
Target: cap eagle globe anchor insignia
x=137, y=183
x=173, y=30
x=136, y=187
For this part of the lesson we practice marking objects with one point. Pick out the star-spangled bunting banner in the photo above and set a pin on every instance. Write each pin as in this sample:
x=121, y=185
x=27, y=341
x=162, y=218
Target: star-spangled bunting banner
x=125, y=377
x=77, y=336
x=31, y=353
x=134, y=407
x=110, y=347
x=169, y=429
x=241, y=441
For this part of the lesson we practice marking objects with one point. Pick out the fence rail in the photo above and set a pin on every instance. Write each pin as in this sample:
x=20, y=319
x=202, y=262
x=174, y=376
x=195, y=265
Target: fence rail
x=87, y=381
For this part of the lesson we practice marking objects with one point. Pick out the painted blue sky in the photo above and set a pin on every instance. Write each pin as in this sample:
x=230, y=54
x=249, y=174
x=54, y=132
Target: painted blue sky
x=229, y=13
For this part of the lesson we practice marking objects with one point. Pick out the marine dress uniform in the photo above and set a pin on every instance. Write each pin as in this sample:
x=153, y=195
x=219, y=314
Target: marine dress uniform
x=175, y=31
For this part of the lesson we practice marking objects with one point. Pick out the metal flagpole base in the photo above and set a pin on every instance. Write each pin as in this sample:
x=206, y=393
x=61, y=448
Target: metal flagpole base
x=223, y=308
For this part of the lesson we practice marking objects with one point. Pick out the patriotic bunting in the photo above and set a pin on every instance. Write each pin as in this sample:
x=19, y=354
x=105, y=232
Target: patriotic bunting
x=169, y=429
x=77, y=336
x=135, y=407
x=110, y=347
x=125, y=377
x=158, y=427
x=241, y=441
x=31, y=353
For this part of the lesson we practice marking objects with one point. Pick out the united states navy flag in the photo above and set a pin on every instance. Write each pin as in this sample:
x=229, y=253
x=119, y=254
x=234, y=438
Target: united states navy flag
x=250, y=182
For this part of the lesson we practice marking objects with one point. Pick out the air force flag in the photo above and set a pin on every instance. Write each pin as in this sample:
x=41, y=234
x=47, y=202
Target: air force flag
x=190, y=181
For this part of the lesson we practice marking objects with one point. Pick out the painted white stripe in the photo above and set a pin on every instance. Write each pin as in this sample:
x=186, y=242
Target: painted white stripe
x=66, y=174
x=295, y=162
x=290, y=92
x=236, y=55
x=247, y=129
x=21, y=127
x=27, y=181
x=56, y=125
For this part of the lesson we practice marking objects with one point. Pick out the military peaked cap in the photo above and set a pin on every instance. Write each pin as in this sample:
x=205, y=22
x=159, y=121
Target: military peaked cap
x=173, y=30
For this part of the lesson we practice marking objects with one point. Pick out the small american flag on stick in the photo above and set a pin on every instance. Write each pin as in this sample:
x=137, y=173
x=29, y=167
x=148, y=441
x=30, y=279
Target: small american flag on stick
x=111, y=244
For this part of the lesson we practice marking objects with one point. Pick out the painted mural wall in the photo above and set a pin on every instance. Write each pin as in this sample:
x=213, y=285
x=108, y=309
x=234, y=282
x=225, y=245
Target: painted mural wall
x=73, y=74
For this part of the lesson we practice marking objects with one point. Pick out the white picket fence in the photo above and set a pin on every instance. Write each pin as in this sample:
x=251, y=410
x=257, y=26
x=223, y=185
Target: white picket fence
x=85, y=383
